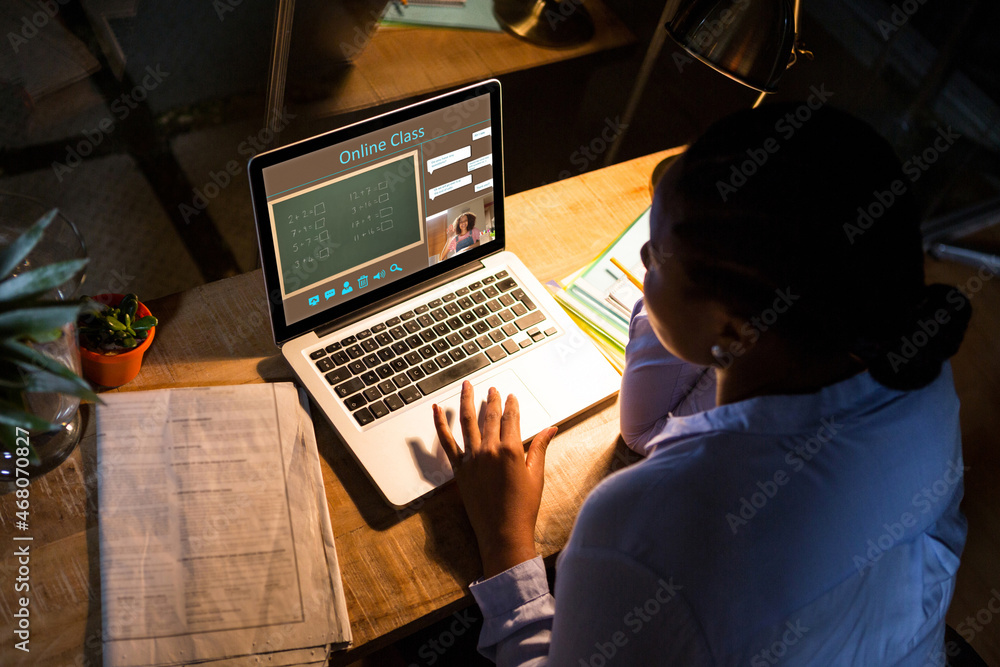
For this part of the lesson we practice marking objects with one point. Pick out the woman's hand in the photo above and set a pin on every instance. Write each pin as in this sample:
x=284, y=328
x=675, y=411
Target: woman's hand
x=501, y=487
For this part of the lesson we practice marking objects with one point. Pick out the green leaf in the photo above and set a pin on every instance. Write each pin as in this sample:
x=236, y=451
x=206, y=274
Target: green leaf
x=145, y=323
x=29, y=358
x=115, y=324
x=40, y=280
x=26, y=322
x=129, y=304
x=19, y=249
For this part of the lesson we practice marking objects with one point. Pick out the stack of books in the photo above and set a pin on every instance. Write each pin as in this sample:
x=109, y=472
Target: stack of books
x=601, y=295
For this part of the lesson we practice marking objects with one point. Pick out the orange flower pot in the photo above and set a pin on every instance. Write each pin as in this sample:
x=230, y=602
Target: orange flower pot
x=116, y=368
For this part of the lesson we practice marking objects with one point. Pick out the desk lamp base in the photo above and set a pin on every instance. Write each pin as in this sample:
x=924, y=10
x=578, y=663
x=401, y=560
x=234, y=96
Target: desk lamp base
x=548, y=23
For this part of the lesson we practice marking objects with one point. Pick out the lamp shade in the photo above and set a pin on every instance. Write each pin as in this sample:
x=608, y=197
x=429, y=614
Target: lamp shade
x=747, y=40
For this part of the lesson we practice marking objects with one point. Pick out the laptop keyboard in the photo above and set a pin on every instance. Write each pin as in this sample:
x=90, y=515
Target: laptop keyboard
x=383, y=368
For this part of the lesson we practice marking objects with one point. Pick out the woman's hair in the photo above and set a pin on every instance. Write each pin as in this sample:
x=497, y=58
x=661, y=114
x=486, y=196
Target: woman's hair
x=807, y=226
x=470, y=224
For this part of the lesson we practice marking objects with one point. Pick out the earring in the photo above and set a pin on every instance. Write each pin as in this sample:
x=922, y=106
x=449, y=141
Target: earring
x=717, y=352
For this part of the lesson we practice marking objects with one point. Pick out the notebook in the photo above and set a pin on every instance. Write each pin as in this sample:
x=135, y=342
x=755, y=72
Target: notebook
x=388, y=284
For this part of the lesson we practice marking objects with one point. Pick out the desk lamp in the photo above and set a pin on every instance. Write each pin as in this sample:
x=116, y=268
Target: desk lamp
x=750, y=41
x=549, y=23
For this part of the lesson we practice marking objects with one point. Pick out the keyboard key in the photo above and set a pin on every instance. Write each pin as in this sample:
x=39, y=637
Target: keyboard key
x=467, y=333
x=399, y=365
x=443, y=361
x=478, y=297
x=551, y=331
x=397, y=333
x=425, y=320
x=506, y=299
x=436, y=303
x=408, y=315
x=429, y=367
x=357, y=367
x=384, y=339
x=317, y=354
x=465, y=367
x=354, y=351
x=531, y=319
x=506, y=315
x=350, y=340
x=467, y=316
x=419, y=310
x=427, y=335
x=439, y=314
x=454, y=324
x=385, y=354
x=369, y=378
x=379, y=327
x=538, y=336
x=411, y=326
x=400, y=348
x=489, y=279
x=416, y=373
x=427, y=352
x=497, y=335
x=324, y=365
x=369, y=345
x=413, y=358
x=528, y=303
x=465, y=303
x=502, y=274
x=519, y=309
x=481, y=326
x=364, y=416
x=340, y=358
x=440, y=345
x=386, y=387
x=462, y=291
x=505, y=285
x=333, y=347
x=413, y=342
x=384, y=371
x=393, y=322
x=518, y=294
x=363, y=334
x=526, y=342
x=449, y=297
x=496, y=353
x=470, y=348
x=511, y=346
x=509, y=329
x=476, y=285
x=457, y=354
x=378, y=409
x=402, y=380
x=452, y=308
x=394, y=402
x=454, y=339
x=354, y=402
x=371, y=360
x=349, y=387
x=441, y=329
x=410, y=394
x=494, y=321
x=494, y=305
x=338, y=375
x=484, y=342
x=490, y=291
x=372, y=394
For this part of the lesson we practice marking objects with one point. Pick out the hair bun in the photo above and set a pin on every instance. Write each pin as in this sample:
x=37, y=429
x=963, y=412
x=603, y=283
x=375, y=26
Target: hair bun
x=913, y=358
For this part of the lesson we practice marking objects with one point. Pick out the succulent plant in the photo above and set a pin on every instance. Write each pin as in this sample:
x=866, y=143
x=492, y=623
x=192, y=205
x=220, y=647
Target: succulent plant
x=111, y=328
x=27, y=316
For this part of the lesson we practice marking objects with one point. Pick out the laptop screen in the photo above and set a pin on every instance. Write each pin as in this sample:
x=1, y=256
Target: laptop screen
x=349, y=217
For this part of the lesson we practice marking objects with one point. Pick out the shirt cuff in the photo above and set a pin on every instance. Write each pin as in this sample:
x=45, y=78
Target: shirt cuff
x=501, y=594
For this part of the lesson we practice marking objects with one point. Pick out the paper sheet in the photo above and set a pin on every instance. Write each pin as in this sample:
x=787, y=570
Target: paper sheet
x=207, y=552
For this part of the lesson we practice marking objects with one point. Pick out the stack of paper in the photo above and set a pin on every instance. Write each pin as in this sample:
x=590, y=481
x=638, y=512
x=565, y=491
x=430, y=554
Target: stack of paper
x=599, y=297
x=215, y=539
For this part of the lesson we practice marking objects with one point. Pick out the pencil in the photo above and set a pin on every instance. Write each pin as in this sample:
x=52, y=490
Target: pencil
x=628, y=274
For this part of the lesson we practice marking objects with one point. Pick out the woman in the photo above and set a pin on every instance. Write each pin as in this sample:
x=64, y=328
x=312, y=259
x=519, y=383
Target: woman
x=466, y=236
x=811, y=515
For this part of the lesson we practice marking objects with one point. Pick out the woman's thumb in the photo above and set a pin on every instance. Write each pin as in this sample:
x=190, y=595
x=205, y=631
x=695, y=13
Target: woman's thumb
x=535, y=460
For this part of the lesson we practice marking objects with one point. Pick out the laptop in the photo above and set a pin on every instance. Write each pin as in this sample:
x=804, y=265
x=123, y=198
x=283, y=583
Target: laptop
x=382, y=246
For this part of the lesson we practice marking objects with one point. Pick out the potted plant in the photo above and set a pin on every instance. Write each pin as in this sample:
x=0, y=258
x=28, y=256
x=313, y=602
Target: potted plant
x=115, y=332
x=39, y=393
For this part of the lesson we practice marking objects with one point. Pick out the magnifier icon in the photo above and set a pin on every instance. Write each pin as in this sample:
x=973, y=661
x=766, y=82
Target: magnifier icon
x=394, y=267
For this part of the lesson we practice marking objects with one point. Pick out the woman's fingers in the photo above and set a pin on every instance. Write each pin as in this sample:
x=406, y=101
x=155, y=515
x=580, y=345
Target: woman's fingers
x=510, y=426
x=491, y=419
x=467, y=418
x=445, y=437
x=535, y=460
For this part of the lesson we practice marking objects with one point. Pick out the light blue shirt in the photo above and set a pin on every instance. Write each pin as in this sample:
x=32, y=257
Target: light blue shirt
x=819, y=529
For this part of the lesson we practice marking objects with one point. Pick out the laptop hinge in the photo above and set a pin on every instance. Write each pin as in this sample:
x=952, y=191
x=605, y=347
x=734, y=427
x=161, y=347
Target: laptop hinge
x=398, y=298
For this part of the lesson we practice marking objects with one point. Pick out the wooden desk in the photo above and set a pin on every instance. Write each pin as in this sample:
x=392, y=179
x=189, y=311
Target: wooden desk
x=405, y=62
x=401, y=569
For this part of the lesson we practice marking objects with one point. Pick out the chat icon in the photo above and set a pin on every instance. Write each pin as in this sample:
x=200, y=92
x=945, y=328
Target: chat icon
x=329, y=293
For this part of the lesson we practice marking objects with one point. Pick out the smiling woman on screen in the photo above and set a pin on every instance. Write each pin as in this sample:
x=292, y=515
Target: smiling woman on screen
x=787, y=379
x=465, y=236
